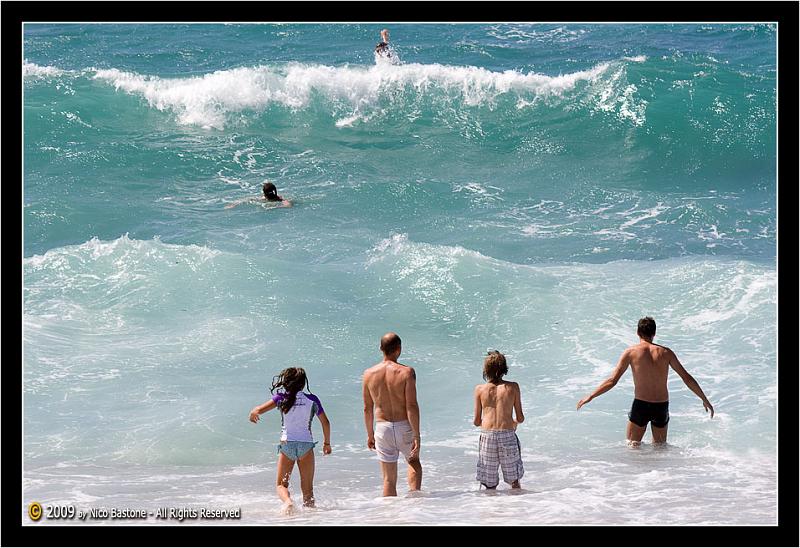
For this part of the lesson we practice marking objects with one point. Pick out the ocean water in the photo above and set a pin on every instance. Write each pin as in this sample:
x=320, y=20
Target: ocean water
x=529, y=188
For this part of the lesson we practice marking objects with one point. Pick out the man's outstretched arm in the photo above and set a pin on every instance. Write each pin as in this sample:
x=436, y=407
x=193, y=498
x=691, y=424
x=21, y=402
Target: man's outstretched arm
x=610, y=382
x=689, y=381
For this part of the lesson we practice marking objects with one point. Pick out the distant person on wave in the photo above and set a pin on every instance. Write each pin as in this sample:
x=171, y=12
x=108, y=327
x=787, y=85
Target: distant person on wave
x=391, y=415
x=383, y=51
x=270, y=197
x=650, y=365
x=498, y=411
x=297, y=409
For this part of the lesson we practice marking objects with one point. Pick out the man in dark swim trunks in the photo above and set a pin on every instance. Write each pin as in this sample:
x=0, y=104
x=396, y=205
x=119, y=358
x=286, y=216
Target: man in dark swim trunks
x=650, y=365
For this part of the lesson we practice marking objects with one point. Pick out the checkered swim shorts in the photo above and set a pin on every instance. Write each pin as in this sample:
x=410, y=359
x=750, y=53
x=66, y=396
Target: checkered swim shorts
x=499, y=448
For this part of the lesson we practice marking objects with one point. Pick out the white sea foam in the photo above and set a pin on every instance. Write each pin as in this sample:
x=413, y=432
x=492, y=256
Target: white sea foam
x=33, y=70
x=615, y=95
x=209, y=100
x=429, y=272
x=711, y=234
x=399, y=244
x=72, y=117
x=347, y=121
x=524, y=34
x=648, y=214
x=480, y=194
x=205, y=100
x=96, y=248
x=614, y=484
x=392, y=59
x=743, y=294
x=202, y=100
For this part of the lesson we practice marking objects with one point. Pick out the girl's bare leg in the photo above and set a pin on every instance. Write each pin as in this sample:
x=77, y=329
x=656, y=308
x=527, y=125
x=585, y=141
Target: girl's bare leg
x=285, y=466
x=305, y=465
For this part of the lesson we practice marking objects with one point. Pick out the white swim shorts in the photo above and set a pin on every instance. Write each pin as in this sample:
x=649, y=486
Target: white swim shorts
x=393, y=438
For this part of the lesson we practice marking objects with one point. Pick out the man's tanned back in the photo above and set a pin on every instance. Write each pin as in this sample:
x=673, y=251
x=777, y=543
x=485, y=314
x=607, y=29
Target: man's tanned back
x=386, y=383
x=650, y=366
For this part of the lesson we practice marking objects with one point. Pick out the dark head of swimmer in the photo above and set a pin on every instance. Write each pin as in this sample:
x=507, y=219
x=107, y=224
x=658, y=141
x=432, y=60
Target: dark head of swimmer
x=271, y=193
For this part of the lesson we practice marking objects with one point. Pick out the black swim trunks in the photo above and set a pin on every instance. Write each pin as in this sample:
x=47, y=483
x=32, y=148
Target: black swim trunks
x=643, y=412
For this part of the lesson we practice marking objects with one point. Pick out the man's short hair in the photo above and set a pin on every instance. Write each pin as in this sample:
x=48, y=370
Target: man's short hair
x=646, y=327
x=494, y=366
x=390, y=343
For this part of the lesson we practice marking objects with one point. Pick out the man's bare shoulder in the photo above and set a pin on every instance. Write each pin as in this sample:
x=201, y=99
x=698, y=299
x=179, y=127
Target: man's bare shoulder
x=660, y=350
x=371, y=370
x=665, y=351
x=638, y=352
x=407, y=371
x=633, y=352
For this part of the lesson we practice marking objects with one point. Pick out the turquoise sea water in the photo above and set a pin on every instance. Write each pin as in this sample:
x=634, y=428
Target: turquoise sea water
x=531, y=188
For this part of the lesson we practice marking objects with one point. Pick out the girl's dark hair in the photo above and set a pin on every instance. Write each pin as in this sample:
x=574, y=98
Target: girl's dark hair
x=494, y=367
x=292, y=380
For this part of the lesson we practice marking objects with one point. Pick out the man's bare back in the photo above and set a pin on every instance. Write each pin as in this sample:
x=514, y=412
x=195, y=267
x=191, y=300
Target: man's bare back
x=386, y=382
x=649, y=365
x=495, y=404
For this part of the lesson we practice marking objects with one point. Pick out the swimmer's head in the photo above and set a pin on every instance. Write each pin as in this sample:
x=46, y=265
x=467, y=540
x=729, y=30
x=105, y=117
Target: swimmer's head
x=494, y=367
x=646, y=328
x=391, y=345
x=270, y=192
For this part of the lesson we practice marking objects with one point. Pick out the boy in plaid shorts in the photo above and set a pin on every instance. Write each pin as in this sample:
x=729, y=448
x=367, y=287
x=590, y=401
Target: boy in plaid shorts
x=498, y=410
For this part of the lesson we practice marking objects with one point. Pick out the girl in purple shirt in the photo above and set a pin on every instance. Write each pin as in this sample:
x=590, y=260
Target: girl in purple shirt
x=297, y=442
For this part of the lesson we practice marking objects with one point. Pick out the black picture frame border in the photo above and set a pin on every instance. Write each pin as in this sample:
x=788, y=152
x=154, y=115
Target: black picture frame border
x=785, y=13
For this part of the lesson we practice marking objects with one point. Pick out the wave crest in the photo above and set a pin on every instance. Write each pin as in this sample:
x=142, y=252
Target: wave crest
x=32, y=70
x=208, y=100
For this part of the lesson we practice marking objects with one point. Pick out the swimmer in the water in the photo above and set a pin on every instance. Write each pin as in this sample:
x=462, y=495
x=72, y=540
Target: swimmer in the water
x=383, y=49
x=270, y=197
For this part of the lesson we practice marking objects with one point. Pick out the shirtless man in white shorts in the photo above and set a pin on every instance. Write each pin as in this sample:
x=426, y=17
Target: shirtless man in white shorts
x=390, y=402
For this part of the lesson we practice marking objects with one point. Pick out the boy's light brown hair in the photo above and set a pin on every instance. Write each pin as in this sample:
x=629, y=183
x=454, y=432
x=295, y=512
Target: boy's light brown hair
x=494, y=367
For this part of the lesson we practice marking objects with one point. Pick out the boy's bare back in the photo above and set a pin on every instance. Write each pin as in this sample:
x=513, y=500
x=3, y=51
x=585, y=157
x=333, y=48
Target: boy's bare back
x=495, y=404
x=386, y=382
